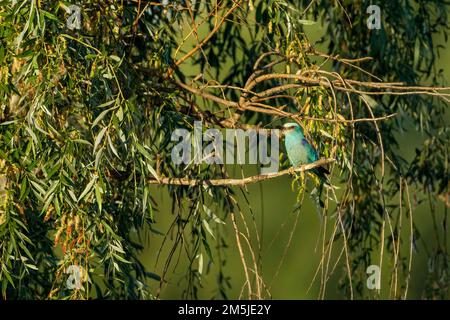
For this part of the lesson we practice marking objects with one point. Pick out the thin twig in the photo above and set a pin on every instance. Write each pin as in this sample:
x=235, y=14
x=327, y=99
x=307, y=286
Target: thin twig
x=208, y=37
x=238, y=182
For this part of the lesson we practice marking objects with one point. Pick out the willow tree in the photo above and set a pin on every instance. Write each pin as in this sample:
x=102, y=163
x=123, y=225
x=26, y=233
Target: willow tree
x=89, y=104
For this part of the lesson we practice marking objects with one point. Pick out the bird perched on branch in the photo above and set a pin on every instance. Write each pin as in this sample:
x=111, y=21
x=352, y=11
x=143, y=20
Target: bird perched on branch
x=299, y=150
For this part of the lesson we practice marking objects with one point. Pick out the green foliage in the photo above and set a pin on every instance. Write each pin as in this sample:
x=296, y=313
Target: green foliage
x=403, y=50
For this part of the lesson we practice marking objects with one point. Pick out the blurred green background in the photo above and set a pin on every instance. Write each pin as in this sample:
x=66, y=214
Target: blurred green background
x=272, y=203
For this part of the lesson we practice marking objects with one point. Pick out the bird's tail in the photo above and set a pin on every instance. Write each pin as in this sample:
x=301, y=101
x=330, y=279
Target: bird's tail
x=321, y=173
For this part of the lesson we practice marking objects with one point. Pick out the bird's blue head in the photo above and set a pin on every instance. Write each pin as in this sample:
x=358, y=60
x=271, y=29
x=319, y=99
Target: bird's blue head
x=292, y=128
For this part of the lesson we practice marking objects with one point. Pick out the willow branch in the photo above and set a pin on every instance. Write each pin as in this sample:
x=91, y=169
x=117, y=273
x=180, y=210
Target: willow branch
x=207, y=95
x=238, y=182
x=209, y=36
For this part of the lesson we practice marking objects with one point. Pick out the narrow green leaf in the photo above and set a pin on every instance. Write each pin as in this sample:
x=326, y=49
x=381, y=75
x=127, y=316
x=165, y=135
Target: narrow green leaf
x=38, y=187
x=208, y=228
x=144, y=152
x=111, y=146
x=200, y=263
x=106, y=104
x=72, y=195
x=98, y=196
x=115, y=58
x=87, y=189
x=307, y=22
x=99, y=137
x=51, y=189
x=101, y=116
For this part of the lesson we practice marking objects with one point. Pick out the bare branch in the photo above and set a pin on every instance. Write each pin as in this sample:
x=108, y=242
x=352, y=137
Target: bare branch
x=238, y=182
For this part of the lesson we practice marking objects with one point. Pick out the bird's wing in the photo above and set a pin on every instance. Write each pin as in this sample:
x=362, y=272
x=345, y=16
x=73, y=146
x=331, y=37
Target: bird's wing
x=312, y=153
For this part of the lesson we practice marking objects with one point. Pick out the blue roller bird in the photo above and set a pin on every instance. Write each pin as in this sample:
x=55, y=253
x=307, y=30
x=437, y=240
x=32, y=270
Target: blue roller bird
x=300, y=151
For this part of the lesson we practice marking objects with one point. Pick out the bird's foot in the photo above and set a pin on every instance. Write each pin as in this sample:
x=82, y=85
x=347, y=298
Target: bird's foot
x=292, y=171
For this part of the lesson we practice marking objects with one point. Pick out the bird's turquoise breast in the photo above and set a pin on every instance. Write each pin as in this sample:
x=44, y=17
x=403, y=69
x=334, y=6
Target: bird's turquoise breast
x=297, y=151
